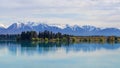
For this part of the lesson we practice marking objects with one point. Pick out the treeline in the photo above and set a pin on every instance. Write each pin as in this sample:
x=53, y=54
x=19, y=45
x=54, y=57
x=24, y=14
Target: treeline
x=50, y=36
x=97, y=39
x=43, y=36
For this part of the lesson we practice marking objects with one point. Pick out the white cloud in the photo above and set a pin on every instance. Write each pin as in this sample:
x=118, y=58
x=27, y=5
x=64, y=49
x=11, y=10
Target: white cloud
x=103, y=13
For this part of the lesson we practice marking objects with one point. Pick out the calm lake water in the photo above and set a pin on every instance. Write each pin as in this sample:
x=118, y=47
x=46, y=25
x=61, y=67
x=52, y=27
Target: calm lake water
x=59, y=55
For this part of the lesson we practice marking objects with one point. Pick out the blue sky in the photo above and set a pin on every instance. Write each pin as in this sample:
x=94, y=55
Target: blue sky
x=100, y=13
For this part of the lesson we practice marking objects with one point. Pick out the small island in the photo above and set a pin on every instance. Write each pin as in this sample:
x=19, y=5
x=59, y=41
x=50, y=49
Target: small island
x=49, y=36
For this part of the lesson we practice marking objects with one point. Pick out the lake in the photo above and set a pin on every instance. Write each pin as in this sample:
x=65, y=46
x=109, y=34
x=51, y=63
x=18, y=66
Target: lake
x=59, y=55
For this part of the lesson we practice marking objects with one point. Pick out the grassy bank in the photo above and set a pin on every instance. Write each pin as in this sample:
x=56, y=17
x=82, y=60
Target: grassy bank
x=78, y=39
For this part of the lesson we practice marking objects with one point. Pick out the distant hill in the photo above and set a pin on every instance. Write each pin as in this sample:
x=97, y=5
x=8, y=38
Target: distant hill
x=17, y=28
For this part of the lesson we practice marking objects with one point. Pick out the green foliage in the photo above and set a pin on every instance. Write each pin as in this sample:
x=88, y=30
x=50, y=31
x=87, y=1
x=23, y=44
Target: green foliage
x=74, y=39
x=43, y=36
x=64, y=39
x=57, y=39
x=46, y=39
x=35, y=39
x=28, y=35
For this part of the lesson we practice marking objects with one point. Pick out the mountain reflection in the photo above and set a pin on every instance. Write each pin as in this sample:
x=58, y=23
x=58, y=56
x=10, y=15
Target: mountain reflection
x=31, y=48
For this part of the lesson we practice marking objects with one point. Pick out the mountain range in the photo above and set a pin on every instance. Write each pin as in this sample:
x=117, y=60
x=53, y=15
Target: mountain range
x=17, y=28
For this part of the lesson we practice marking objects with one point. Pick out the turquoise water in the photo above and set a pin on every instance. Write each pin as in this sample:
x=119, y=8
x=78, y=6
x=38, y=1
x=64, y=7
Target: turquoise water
x=59, y=55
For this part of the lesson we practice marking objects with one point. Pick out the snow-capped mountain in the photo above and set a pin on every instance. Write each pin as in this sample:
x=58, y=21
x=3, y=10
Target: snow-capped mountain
x=2, y=27
x=17, y=28
x=90, y=28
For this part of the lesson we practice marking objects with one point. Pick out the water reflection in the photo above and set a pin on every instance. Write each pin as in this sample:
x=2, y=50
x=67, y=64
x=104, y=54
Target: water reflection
x=30, y=48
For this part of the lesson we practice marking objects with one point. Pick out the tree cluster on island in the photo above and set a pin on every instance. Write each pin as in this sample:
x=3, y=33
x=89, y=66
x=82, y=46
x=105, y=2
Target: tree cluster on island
x=56, y=37
x=43, y=36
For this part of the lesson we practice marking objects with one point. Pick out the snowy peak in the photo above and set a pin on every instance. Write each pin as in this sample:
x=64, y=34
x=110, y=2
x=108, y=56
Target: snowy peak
x=90, y=28
x=16, y=25
x=62, y=26
x=32, y=23
x=77, y=28
x=2, y=26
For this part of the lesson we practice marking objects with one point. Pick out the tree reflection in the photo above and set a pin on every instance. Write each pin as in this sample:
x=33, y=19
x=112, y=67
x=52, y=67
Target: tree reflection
x=31, y=48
